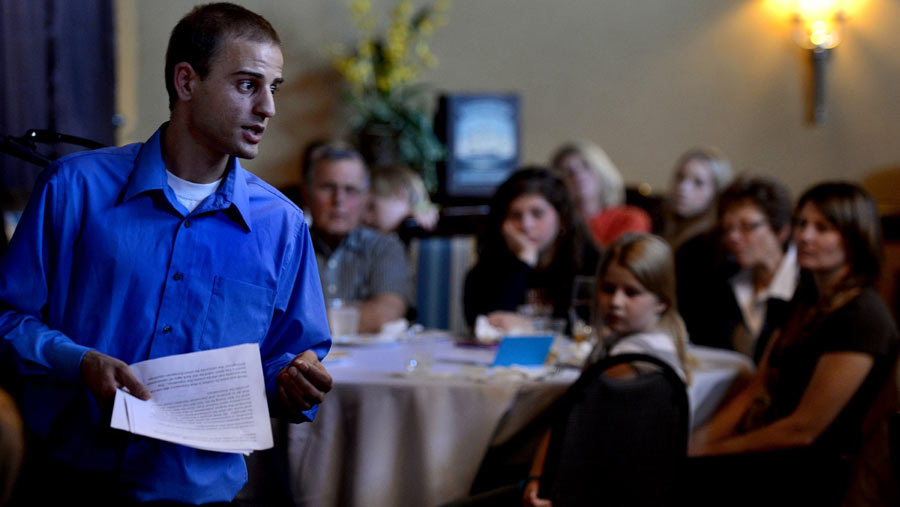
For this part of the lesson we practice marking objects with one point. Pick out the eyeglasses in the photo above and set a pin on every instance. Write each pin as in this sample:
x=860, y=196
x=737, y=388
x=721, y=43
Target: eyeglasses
x=744, y=228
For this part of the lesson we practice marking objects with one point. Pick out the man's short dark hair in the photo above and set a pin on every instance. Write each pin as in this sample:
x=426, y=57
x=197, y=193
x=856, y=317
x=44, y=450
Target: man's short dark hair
x=199, y=36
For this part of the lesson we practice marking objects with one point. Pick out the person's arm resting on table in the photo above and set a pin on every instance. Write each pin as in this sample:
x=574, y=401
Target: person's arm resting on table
x=388, y=284
x=379, y=310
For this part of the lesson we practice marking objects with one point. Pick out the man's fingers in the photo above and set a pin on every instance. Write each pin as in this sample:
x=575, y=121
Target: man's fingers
x=125, y=378
x=299, y=386
x=288, y=402
x=315, y=373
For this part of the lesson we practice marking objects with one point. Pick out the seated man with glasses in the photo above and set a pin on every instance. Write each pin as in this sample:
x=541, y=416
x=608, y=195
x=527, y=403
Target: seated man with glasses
x=356, y=264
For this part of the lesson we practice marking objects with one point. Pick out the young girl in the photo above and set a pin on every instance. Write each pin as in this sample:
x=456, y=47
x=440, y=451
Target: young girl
x=399, y=203
x=637, y=304
x=638, y=314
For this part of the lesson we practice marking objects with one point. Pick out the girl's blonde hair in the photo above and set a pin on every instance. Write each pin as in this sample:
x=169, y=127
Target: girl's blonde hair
x=649, y=258
x=390, y=181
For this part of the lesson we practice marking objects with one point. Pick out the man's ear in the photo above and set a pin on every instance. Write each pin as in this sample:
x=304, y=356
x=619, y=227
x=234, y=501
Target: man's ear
x=185, y=79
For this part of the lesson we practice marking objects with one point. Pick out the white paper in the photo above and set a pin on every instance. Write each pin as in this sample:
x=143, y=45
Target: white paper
x=213, y=400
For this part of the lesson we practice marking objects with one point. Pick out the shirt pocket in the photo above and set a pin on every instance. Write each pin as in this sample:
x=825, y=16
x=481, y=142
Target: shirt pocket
x=239, y=312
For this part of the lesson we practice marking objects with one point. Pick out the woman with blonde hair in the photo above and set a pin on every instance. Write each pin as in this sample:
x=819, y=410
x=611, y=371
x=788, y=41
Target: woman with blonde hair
x=700, y=175
x=598, y=191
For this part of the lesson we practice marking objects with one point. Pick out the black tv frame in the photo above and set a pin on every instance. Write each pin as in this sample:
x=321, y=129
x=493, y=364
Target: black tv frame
x=458, y=185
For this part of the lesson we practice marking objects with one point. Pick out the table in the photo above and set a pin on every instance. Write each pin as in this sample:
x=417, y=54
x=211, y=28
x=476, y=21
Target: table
x=383, y=438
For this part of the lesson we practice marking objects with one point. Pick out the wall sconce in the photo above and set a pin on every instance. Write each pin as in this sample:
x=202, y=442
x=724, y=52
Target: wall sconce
x=818, y=27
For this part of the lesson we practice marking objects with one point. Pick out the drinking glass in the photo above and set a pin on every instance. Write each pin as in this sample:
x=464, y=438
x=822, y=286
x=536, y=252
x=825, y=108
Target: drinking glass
x=581, y=312
x=343, y=317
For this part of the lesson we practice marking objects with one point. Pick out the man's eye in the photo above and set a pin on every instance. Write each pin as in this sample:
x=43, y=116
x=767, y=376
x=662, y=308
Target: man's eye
x=246, y=86
x=273, y=89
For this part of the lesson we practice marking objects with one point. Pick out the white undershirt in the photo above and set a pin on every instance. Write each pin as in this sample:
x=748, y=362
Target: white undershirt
x=191, y=194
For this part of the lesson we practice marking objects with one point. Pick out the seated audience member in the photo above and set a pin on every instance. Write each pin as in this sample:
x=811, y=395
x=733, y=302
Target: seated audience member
x=356, y=263
x=598, y=191
x=787, y=437
x=638, y=314
x=755, y=229
x=700, y=175
x=532, y=248
x=399, y=203
x=689, y=219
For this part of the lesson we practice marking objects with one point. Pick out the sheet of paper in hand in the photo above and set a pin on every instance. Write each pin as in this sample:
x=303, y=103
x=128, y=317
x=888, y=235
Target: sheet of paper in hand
x=213, y=400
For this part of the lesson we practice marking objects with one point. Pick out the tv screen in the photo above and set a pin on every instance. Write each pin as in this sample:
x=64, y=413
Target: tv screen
x=481, y=133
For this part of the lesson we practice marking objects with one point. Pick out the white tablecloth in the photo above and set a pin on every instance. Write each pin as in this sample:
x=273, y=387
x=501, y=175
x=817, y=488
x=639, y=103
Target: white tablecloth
x=385, y=439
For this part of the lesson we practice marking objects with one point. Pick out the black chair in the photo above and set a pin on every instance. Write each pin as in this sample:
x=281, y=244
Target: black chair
x=619, y=441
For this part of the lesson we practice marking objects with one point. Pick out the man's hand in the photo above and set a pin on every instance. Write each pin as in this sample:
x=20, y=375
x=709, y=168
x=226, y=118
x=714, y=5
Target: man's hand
x=301, y=385
x=104, y=374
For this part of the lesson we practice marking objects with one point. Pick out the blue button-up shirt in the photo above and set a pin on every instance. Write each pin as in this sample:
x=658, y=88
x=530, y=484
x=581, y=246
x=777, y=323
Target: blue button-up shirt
x=106, y=258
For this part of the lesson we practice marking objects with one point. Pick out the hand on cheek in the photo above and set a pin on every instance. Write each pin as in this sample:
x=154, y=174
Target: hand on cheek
x=519, y=244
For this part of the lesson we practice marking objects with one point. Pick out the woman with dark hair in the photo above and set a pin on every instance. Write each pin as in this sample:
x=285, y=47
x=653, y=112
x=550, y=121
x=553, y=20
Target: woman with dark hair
x=754, y=227
x=792, y=429
x=532, y=248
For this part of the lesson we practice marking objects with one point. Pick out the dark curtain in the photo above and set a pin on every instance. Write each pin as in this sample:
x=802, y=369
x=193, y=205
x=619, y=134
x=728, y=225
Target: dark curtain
x=57, y=58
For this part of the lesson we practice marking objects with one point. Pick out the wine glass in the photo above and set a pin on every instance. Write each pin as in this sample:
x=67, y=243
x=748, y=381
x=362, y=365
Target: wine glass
x=581, y=312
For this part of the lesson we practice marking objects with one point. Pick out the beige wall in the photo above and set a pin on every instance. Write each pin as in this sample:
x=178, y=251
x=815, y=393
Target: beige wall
x=643, y=78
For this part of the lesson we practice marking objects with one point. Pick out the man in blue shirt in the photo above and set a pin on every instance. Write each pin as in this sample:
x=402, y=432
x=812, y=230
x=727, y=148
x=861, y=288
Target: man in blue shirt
x=166, y=247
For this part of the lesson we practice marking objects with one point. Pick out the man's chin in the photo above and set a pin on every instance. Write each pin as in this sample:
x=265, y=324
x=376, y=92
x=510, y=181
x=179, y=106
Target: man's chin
x=247, y=152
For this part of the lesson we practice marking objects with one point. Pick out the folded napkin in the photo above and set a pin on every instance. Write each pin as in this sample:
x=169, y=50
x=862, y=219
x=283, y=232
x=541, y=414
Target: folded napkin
x=489, y=335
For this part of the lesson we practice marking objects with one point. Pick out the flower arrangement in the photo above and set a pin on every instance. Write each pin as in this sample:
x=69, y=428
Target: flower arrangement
x=390, y=117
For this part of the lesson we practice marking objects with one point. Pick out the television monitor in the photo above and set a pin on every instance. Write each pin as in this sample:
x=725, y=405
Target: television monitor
x=481, y=133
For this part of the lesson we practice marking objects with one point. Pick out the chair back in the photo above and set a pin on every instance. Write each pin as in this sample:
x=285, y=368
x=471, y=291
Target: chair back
x=875, y=471
x=619, y=441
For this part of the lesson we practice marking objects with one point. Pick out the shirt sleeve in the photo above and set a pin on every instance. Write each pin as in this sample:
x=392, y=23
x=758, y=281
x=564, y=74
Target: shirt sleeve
x=38, y=256
x=862, y=325
x=300, y=322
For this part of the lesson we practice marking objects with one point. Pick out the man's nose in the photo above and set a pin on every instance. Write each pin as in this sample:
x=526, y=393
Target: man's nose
x=265, y=106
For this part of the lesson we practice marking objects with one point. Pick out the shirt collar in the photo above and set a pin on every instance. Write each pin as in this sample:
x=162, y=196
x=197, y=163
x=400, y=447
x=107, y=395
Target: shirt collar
x=782, y=285
x=785, y=280
x=232, y=196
